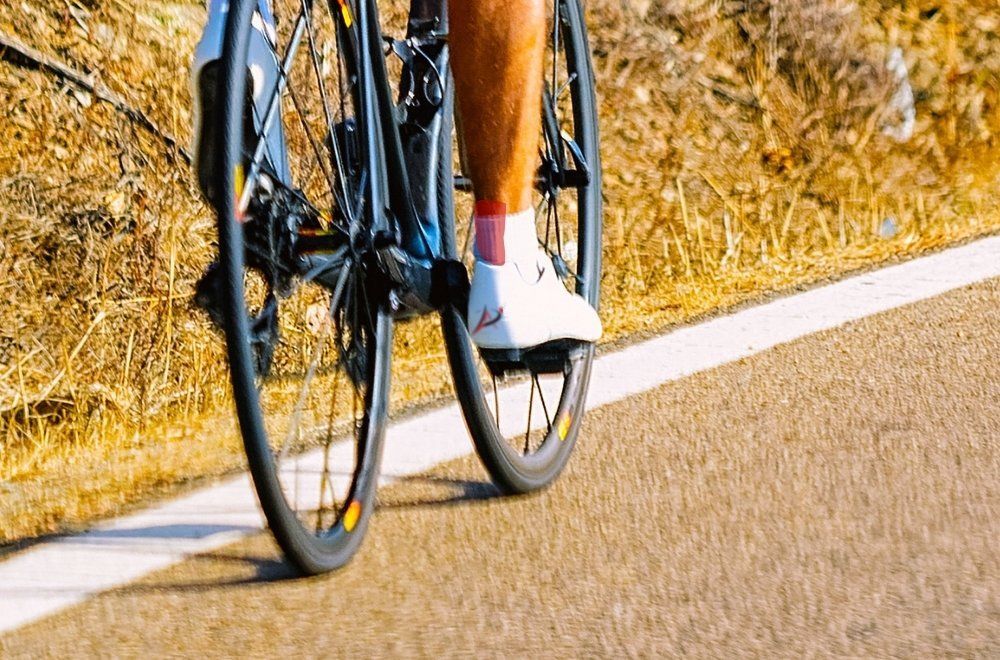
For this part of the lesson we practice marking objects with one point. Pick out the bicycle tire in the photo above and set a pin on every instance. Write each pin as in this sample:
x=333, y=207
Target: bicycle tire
x=311, y=544
x=512, y=471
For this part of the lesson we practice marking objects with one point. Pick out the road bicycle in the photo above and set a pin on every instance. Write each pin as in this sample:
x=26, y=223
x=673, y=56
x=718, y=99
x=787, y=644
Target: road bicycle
x=337, y=180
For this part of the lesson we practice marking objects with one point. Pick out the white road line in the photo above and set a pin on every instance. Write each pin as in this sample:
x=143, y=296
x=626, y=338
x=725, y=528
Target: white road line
x=54, y=575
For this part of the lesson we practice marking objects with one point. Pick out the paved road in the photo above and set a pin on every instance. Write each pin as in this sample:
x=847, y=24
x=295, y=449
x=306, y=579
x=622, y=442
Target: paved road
x=840, y=494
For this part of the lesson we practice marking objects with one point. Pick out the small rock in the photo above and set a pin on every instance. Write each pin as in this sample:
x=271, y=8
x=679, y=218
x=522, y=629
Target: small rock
x=104, y=34
x=116, y=202
x=889, y=228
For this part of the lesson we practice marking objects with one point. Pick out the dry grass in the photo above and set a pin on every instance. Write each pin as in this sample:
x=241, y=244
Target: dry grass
x=756, y=139
x=744, y=153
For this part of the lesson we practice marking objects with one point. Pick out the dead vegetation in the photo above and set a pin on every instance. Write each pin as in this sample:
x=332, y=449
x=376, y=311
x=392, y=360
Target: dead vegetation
x=745, y=150
x=756, y=131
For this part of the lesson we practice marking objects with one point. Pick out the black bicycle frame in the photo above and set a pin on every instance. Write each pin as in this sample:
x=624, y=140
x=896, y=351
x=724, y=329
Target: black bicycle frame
x=402, y=149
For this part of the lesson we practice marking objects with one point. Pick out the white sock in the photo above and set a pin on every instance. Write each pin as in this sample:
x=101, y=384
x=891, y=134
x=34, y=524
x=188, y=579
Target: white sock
x=520, y=240
x=506, y=237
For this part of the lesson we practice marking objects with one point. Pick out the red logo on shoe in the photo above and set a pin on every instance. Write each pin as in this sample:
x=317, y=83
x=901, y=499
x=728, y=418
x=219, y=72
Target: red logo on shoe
x=485, y=321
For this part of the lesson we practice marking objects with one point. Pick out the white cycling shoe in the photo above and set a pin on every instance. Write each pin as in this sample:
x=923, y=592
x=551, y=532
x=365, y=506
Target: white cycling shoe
x=509, y=309
x=521, y=303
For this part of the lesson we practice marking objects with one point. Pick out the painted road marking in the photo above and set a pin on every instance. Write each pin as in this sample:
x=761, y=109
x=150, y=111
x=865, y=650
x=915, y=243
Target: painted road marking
x=54, y=575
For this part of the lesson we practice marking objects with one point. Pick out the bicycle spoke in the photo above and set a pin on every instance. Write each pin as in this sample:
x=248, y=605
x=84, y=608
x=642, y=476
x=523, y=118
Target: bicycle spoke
x=267, y=147
x=326, y=482
x=496, y=402
x=293, y=428
x=272, y=111
x=556, y=31
x=317, y=355
x=466, y=243
x=562, y=89
x=300, y=111
x=329, y=119
x=356, y=403
x=545, y=408
x=527, y=433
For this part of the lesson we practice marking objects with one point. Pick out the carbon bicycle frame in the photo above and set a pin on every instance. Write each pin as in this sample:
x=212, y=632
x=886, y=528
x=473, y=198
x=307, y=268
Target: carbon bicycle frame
x=402, y=150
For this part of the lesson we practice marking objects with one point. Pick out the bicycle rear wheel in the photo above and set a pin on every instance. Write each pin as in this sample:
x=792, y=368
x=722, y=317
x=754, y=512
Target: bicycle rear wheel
x=525, y=417
x=307, y=327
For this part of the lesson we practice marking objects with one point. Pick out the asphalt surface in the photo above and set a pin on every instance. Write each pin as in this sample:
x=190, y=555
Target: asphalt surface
x=836, y=495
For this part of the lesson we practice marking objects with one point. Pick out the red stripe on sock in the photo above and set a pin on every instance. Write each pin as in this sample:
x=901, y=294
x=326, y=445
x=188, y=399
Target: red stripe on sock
x=491, y=220
x=489, y=207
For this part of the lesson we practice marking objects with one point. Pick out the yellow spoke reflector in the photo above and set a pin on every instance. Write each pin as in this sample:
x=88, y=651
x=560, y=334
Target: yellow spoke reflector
x=346, y=12
x=351, y=516
x=238, y=185
x=564, y=424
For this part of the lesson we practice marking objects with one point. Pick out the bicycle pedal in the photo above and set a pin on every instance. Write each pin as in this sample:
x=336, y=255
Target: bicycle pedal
x=554, y=357
x=449, y=284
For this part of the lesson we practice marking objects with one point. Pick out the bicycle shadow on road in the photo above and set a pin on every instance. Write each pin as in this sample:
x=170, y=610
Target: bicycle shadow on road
x=254, y=566
x=431, y=491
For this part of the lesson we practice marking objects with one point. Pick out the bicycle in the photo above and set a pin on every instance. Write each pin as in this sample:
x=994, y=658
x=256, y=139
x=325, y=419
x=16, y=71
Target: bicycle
x=335, y=191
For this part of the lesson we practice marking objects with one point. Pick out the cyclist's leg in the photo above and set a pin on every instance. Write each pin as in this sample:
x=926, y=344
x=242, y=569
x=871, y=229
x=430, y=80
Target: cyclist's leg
x=516, y=301
x=497, y=50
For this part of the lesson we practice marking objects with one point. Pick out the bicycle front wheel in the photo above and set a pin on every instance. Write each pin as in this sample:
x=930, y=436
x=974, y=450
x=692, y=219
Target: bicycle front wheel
x=308, y=331
x=525, y=418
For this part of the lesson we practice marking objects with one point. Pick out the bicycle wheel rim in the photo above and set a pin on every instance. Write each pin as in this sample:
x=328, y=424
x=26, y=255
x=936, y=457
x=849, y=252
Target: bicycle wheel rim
x=512, y=470
x=325, y=545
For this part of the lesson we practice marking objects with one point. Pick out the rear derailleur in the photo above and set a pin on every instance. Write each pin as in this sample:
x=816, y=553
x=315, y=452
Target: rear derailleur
x=271, y=234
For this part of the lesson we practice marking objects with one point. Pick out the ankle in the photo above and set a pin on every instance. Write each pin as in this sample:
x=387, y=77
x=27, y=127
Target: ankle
x=503, y=237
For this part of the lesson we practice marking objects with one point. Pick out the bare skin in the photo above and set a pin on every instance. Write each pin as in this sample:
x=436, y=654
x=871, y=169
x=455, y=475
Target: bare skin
x=497, y=51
